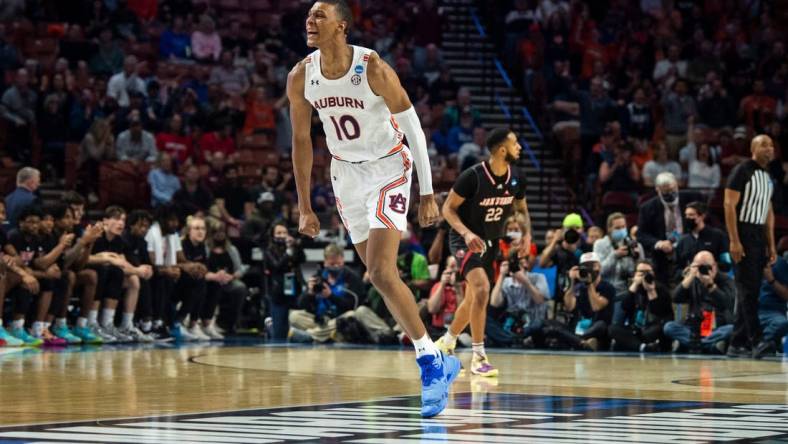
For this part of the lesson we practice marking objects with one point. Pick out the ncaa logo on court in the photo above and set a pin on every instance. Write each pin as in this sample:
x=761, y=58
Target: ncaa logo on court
x=356, y=79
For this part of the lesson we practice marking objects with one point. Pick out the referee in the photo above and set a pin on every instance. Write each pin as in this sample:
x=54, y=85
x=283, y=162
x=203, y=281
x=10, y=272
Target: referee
x=750, y=222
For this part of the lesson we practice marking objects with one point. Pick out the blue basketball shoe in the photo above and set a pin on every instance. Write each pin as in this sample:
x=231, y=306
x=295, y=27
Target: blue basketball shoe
x=437, y=374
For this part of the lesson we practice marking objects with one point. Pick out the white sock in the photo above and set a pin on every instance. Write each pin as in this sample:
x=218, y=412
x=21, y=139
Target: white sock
x=18, y=323
x=47, y=325
x=127, y=322
x=107, y=317
x=146, y=326
x=478, y=348
x=82, y=322
x=1, y=321
x=38, y=328
x=449, y=338
x=425, y=346
x=61, y=322
x=93, y=317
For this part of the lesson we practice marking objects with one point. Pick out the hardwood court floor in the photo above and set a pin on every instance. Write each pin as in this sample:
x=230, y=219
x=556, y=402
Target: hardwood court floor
x=93, y=384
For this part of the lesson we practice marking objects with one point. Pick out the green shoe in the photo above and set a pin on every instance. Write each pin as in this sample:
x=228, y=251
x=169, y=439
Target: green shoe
x=63, y=332
x=10, y=341
x=22, y=334
x=86, y=335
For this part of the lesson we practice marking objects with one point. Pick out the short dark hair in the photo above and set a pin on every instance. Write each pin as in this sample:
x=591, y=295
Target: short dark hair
x=58, y=210
x=644, y=261
x=30, y=211
x=497, y=137
x=73, y=198
x=699, y=207
x=138, y=215
x=343, y=11
x=113, y=212
x=165, y=213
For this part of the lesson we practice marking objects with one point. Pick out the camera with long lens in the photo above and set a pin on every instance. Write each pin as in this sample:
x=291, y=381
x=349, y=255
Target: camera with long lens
x=571, y=236
x=587, y=273
x=648, y=278
x=704, y=269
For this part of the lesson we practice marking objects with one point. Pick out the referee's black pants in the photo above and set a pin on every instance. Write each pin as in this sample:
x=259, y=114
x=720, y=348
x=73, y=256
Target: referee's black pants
x=749, y=274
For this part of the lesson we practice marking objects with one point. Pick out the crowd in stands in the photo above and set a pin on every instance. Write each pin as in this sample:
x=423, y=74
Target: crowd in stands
x=629, y=89
x=158, y=115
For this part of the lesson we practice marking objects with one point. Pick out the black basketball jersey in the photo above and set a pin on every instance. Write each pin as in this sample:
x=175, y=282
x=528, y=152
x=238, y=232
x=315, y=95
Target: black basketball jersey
x=489, y=199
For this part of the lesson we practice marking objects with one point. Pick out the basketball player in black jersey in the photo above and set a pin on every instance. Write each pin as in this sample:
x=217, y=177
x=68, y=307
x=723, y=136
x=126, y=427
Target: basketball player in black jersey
x=478, y=205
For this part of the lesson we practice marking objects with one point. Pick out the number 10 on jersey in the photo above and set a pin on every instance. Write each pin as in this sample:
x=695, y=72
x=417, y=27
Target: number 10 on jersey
x=347, y=126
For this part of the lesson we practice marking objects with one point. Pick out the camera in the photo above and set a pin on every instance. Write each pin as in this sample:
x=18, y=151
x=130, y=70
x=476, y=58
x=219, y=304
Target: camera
x=632, y=248
x=318, y=283
x=648, y=278
x=571, y=236
x=704, y=269
x=514, y=262
x=587, y=273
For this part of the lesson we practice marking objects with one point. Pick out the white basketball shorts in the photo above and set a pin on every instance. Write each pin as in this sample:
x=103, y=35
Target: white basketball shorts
x=373, y=194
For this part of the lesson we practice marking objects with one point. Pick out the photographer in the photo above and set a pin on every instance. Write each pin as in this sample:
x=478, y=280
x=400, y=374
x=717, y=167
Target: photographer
x=698, y=237
x=334, y=290
x=618, y=253
x=562, y=252
x=282, y=268
x=706, y=291
x=773, y=304
x=645, y=308
x=444, y=299
x=519, y=297
x=589, y=299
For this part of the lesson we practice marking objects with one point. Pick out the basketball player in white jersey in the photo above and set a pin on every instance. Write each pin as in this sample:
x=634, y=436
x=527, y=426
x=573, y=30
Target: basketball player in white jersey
x=365, y=114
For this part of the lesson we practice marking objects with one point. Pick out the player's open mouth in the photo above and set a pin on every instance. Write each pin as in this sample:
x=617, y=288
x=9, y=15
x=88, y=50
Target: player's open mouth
x=311, y=33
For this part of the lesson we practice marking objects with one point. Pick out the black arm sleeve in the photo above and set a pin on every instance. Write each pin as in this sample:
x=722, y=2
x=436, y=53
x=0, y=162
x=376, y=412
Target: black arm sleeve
x=466, y=184
x=520, y=193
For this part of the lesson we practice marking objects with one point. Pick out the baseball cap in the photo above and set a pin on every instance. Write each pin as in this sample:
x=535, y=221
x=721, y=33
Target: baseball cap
x=266, y=197
x=589, y=257
x=573, y=220
x=740, y=132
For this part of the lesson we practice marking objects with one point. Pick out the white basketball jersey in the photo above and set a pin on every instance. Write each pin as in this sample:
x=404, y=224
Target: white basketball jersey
x=357, y=123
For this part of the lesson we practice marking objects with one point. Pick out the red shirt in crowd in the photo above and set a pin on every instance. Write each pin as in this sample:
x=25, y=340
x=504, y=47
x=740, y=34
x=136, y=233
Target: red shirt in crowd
x=446, y=313
x=760, y=107
x=179, y=147
x=213, y=143
x=144, y=9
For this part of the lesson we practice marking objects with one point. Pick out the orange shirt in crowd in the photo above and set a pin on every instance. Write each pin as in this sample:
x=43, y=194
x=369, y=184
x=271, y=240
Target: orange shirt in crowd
x=259, y=116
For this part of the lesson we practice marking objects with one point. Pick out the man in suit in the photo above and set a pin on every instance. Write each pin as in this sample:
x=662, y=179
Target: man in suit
x=660, y=223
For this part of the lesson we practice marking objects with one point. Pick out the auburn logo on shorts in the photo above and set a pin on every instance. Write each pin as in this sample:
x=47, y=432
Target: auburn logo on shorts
x=398, y=203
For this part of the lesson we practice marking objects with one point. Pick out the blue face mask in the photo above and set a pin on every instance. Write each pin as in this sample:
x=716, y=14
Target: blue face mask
x=619, y=235
x=333, y=270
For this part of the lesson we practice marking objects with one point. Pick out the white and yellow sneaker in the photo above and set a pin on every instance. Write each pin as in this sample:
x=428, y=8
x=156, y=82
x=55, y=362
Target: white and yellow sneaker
x=445, y=347
x=481, y=366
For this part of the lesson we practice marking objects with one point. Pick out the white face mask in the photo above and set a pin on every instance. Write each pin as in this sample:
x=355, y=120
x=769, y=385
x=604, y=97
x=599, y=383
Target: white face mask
x=514, y=235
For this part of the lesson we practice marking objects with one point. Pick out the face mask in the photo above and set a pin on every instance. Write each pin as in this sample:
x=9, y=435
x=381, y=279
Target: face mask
x=514, y=235
x=690, y=224
x=618, y=235
x=333, y=270
x=670, y=198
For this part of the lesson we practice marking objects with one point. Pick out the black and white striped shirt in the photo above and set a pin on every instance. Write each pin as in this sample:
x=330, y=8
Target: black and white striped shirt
x=755, y=187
